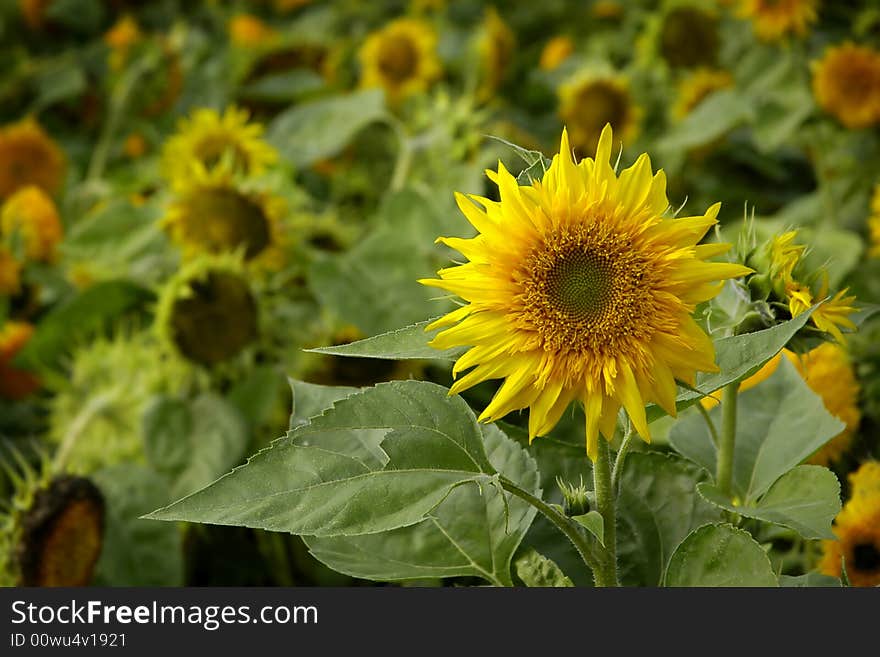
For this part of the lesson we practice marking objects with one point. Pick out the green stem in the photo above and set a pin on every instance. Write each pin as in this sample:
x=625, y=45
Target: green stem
x=709, y=423
x=404, y=154
x=625, y=445
x=77, y=427
x=606, y=575
x=724, y=471
x=565, y=524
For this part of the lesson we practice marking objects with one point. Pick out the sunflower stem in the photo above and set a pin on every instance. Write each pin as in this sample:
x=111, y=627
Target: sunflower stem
x=563, y=523
x=625, y=444
x=606, y=575
x=724, y=471
x=709, y=423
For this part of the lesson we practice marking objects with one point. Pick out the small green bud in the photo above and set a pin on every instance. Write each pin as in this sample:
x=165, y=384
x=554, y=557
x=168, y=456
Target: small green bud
x=575, y=500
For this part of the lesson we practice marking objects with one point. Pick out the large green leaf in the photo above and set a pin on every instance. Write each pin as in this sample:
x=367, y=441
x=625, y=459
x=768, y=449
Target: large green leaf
x=719, y=113
x=474, y=531
x=809, y=580
x=719, y=555
x=409, y=342
x=779, y=424
x=805, y=499
x=310, y=399
x=658, y=506
x=309, y=132
x=378, y=460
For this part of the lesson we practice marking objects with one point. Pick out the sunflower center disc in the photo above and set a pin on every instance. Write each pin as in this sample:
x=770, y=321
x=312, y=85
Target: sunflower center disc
x=397, y=58
x=579, y=284
x=866, y=557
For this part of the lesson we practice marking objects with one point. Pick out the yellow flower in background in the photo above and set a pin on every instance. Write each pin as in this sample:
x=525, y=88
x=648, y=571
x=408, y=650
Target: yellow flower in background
x=774, y=19
x=607, y=9
x=221, y=217
x=135, y=146
x=28, y=156
x=874, y=223
x=248, y=31
x=495, y=46
x=696, y=87
x=34, y=12
x=865, y=482
x=846, y=84
x=588, y=102
x=10, y=273
x=829, y=373
x=401, y=58
x=32, y=214
x=15, y=383
x=578, y=288
x=121, y=38
x=689, y=37
x=209, y=144
x=556, y=51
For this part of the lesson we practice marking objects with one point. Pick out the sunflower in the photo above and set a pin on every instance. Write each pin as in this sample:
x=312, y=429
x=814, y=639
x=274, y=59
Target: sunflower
x=34, y=12
x=32, y=215
x=556, y=51
x=121, y=38
x=401, y=58
x=10, y=273
x=28, y=156
x=846, y=84
x=578, y=288
x=495, y=47
x=874, y=223
x=211, y=144
x=865, y=482
x=695, y=88
x=248, y=31
x=857, y=528
x=774, y=19
x=689, y=37
x=222, y=217
x=15, y=383
x=208, y=312
x=588, y=102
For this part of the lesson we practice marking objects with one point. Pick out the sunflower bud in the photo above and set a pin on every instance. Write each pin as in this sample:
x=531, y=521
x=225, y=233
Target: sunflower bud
x=575, y=500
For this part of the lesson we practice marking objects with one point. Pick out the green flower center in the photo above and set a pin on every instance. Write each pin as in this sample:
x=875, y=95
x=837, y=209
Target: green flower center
x=579, y=284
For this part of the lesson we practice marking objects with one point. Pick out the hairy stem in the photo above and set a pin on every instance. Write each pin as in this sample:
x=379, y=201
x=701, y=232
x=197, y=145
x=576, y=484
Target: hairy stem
x=724, y=471
x=606, y=574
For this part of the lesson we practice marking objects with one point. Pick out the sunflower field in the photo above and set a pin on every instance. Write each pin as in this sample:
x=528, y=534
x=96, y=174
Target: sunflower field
x=440, y=293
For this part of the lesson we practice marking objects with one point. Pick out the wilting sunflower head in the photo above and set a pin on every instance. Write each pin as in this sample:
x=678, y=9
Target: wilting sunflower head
x=874, y=223
x=222, y=217
x=696, y=87
x=846, y=84
x=52, y=530
x=496, y=43
x=588, y=102
x=15, y=383
x=208, y=312
x=31, y=216
x=775, y=19
x=28, y=156
x=209, y=144
x=248, y=31
x=580, y=288
x=556, y=51
x=401, y=58
x=857, y=528
x=688, y=37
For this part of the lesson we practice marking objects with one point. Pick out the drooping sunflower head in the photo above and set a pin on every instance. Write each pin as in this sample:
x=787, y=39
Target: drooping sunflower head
x=31, y=216
x=556, y=51
x=15, y=383
x=846, y=84
x=857, y=528
x=588, y=102
x=775, y=19
x=52, y=531
x=248, y=31
x=401, y=58
x=578, y=287
x=688, y=37
x=219, y=216
x=208, y=313
x=28, y=156
x=496, y=44
x=695, y=88
x=209, y=144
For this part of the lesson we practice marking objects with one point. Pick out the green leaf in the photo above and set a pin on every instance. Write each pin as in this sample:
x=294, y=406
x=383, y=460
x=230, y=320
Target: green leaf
x=310, y=399
x=283, y=87
x=593, y=523
x=258, y=394
x=805, y=499
x=719, y=113
x=473, y=532
x=86, y=313
x=536, y=570
x=307, y=133
x=410, y=342
x=809, y=580
x=62, y=81
x=83, y=16
x=779, y=424
x=658, y=507
x=719, y=555
x=536, y=162
x=137, y=552
x=378, y=460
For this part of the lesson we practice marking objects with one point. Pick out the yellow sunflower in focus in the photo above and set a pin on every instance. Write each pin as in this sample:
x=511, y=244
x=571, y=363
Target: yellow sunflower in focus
x=846, y=84
x=401, y=58
x=588, y=102
x=857, y=528
x=774, y=19
x=248, y=31
x=209, y=144
x=578, y=288
x=695, y=88
x=495, y=47
x=221, y=217
x=10, y=273
x=874, y=223
x=28, y=156
x=32, y=215
x=556, y=51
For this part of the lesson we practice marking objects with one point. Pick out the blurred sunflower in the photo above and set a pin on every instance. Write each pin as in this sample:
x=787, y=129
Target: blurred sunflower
x=607, y=9
x=10, y=273
x=578, y=288
x=846, y=84
x=556, y=51
x=689, y=37
x=222, y=217
x=496, y=43
x=31, y=215
x=15, y=383
x=865, y=482
x=28, y=156
x=121, y=39
x=774, y=19
x=209, y=144
x=248, y=31
x=208, y=312
x=874, y=223
x=401, y=58
x=696, y=87
x=588, y=102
